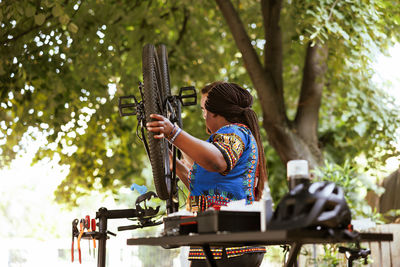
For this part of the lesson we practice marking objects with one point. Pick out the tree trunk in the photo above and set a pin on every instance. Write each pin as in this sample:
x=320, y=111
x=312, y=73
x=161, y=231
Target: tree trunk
x=291, y=139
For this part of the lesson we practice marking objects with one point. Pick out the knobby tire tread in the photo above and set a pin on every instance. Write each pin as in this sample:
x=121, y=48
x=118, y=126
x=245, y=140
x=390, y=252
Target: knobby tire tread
x=154, y=97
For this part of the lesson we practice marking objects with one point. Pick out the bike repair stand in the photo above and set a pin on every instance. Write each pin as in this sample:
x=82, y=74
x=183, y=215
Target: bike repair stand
x=144, y=217
x=103, y=215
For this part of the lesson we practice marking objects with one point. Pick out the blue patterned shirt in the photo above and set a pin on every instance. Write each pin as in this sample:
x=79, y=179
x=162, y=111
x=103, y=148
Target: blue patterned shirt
x=239, y=148
x=208, y=189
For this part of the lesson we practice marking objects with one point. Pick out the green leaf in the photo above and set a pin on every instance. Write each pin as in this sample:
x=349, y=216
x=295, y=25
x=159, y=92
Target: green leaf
x=73, y=28
x=49, y=3
x=20, y=10
x=64, y=19
x=30, y=11
x=39, y=19
x=57, y=10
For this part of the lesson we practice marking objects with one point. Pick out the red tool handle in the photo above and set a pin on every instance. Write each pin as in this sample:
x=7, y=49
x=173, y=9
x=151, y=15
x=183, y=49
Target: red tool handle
x=93, y=224
x=72, y=252
x=87, y=222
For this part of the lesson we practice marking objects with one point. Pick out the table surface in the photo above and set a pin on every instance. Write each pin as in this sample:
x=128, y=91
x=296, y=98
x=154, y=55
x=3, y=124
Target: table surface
x=276, y=237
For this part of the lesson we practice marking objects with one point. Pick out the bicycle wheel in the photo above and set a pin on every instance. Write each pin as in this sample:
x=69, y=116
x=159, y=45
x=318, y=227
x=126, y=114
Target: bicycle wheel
x=163, y=58
x=154, y=98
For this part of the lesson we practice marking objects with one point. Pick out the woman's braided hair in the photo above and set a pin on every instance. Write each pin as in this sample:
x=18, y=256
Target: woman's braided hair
x=232, y=102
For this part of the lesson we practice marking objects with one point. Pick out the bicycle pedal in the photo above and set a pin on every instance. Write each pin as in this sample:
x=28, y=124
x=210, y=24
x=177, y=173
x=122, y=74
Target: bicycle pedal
x=184, y=95
x=131, y=107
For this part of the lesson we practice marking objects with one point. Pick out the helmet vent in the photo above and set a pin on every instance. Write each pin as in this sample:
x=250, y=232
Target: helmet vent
x=329, y=206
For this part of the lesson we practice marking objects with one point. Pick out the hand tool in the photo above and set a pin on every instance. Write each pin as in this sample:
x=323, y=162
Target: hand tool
x=81, y=231
x=87, y=226
x=74, y=233
x=93, y=224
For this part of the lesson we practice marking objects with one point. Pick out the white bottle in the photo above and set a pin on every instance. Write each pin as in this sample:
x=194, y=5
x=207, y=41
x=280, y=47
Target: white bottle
x=297, y=173
x=266, y=205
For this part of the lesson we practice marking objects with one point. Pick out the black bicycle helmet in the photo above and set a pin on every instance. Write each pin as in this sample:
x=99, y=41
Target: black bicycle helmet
x=318, y=204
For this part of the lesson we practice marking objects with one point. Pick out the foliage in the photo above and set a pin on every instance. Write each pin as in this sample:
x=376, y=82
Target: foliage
x=355, y=116
x=64, y=63
x=392, y=215
x=276, y=175
x=355, y=186
x=63, y=68
x=358, y=119
x=329, y=256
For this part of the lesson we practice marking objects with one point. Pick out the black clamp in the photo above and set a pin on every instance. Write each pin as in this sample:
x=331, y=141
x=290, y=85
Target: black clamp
x=146, y=211
x=355, y=253
x=144, y=215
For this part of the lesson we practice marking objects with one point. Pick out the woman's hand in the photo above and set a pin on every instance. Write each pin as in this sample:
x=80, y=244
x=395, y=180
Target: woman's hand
x=160, y=125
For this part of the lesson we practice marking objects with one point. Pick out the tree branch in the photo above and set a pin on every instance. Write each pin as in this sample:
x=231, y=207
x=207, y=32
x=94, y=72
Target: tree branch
x=34, y=27
x=271, y=10
x=186, y=14
x=306, y=120
x=273, y=109
x=182, y=31
x=332, y=8
x=5, y=41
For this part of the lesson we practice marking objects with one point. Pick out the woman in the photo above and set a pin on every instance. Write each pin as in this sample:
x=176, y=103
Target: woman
x=230, y=165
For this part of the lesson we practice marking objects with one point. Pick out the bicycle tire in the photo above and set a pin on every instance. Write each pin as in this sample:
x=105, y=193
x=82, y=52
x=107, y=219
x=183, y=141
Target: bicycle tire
x=154, y=98
x=163, y=57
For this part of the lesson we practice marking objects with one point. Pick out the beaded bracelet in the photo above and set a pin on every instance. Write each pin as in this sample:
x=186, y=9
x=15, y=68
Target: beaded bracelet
x=171, y=133
x=172, y=140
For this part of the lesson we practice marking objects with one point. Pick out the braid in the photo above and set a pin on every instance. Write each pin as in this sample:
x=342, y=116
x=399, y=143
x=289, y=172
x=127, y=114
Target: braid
x=234, y=103
x=251, y=118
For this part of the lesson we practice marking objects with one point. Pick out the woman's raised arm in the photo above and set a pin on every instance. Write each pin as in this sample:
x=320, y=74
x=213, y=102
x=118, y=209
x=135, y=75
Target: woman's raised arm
x=203, y=153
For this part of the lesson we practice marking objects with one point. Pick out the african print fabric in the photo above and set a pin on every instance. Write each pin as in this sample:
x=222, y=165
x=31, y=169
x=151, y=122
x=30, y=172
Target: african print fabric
x=210, y=189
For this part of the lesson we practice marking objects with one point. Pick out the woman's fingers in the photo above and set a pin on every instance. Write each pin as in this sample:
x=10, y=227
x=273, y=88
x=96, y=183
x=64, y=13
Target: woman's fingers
x=160, y=125
x=157, y=117
x=156, y=124
x=159, y=136
x=155, y=128
x=159, y=122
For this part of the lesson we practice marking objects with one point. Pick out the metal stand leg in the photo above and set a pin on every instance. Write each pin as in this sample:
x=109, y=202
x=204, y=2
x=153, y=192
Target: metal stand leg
x=101, y=257
x=173, y=200
x=293, y=253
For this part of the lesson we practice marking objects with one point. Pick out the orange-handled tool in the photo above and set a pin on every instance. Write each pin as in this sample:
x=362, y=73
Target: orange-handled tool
x=74, y=232
x=81, y=226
